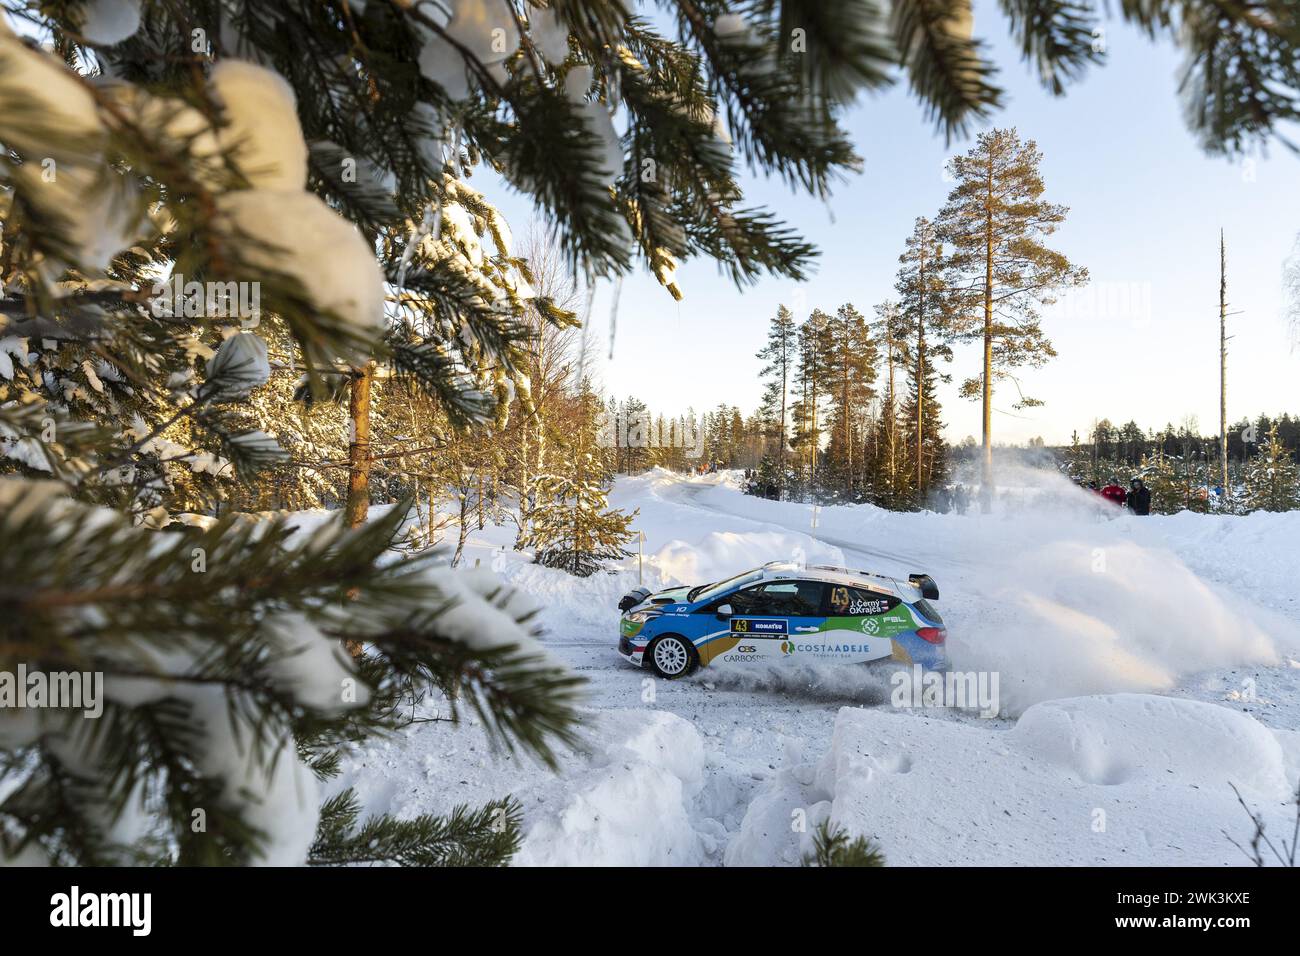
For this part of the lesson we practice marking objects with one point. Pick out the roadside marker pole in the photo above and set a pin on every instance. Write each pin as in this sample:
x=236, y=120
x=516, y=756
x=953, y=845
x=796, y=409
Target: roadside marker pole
x=640, y=557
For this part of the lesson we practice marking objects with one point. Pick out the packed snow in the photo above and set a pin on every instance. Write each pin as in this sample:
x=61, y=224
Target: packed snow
x=1147, y=666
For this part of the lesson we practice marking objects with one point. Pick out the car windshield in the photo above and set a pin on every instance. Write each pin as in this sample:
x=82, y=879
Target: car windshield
x=711, y=591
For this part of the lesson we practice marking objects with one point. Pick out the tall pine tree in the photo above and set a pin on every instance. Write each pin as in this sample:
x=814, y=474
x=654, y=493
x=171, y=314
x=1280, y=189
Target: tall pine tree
x=851, y=361
x=780, y=353
x=926, y=314
x=999, y=271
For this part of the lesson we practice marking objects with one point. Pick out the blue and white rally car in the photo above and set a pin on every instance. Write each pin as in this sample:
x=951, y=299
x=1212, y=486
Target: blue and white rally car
x=783, y=612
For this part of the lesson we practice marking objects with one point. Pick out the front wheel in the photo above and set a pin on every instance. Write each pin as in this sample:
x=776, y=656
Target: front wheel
x=671, y=656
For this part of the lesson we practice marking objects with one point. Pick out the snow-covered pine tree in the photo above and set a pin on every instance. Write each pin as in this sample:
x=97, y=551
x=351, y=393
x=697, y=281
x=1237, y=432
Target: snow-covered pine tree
x=301, y=149
x=1272, y=480
x=573, y=528
x=1076, y=461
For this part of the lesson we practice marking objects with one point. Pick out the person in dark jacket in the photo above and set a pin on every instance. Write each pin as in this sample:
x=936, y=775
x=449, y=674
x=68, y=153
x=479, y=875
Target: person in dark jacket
x=1139, y=497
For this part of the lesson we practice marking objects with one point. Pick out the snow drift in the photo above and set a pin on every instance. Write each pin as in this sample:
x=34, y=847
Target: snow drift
x=1089, y=781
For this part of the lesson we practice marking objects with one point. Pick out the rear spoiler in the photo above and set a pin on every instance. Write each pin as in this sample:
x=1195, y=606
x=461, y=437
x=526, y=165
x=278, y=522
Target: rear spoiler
x=925, y=584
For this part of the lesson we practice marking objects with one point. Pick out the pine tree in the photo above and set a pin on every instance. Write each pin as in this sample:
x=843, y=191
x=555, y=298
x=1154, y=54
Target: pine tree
x=811, y=384
x=832, y=847
x=999, y=271
x=892, y=474
x=1077, y=463
x=922, y=409
x=573, y=528
x=850, y=379
x=925, y=312
x=1272, y=477
x=780, y=353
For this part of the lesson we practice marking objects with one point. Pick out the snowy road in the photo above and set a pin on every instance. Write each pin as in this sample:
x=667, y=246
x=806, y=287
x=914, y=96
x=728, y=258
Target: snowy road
x=738, y=767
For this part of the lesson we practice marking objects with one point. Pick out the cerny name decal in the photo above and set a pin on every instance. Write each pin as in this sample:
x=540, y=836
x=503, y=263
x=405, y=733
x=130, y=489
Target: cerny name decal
x=748, y=625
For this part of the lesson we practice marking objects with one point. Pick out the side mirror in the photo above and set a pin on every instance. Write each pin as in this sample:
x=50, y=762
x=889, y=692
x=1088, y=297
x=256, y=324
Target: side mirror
x=724, y=612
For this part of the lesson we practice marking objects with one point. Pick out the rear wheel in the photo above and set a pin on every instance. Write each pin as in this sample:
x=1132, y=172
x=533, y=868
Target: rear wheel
x=672, y=656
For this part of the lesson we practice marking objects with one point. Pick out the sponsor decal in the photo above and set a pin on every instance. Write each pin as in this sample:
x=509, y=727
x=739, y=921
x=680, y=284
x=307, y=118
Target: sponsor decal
x=831, y=649
x=787, y=647
x=747, y=649
x=868, y=607
x=748, y=625
x=870, y=625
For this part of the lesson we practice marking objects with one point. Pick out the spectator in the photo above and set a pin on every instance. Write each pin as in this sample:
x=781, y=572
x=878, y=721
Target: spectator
x=1114, y=493
x=1139, y=497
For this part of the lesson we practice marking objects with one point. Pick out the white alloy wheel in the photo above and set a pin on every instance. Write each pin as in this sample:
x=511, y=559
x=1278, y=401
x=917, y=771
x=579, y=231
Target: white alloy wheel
x=671, y=657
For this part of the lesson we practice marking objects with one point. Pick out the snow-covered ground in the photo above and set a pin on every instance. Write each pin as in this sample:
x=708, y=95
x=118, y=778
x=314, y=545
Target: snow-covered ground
x=1144, y=666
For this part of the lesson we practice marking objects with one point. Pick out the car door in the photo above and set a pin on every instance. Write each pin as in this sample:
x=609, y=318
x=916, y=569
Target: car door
x=860, y=624
x=779, y=616
x=766, y=622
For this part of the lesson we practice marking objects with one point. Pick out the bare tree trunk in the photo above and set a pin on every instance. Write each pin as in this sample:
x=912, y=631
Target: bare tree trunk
x=785, y=388
x=464, y=524
x=357, y=506
x=358, y=500
x=891, y=424
x=1223, y=367
x=986, y=492
x=920, y=404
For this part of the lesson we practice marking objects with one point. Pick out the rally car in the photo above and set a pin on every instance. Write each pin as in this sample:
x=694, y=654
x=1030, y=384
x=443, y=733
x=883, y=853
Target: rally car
x=783, y=612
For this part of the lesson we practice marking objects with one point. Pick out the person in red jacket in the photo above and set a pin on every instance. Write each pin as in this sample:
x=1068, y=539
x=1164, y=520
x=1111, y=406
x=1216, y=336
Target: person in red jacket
x=1114, y=493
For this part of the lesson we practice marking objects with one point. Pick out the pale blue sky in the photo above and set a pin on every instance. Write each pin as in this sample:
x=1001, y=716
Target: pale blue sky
x=1146, y=207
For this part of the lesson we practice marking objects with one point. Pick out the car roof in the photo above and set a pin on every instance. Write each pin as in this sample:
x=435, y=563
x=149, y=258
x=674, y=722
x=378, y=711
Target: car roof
x=870, y=580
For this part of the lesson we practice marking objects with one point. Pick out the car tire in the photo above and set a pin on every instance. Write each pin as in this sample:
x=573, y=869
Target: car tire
x=672, y=656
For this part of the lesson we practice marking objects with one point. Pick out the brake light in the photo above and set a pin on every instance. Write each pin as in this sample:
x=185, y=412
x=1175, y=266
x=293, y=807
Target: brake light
x=935, y=635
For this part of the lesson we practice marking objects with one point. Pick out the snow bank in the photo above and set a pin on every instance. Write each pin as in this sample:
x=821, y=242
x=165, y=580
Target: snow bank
x=1131, y=779
x=629, y=805
x=629, y=797
x=1126, y=737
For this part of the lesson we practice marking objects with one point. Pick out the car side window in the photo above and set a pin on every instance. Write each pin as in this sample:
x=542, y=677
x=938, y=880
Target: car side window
x=749, y=601
x=775, y=599
x=848, y=601
x=792, y=598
